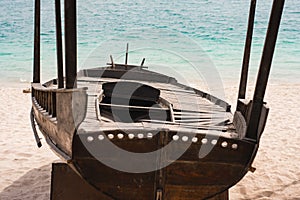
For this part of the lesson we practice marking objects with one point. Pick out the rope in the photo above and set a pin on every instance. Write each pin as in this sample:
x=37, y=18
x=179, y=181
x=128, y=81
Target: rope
x=33, y=126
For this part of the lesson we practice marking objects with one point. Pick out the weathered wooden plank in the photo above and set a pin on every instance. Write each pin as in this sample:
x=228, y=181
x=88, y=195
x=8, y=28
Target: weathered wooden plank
x=67, y=184
x=181, y=192
x=133, y=74
x=128, y=185
x=200, y=173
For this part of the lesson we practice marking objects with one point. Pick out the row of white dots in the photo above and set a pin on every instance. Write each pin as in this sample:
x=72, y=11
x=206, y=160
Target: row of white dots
x=225, y=144
x=150, y=135
x=204, y=141
x=121, y=136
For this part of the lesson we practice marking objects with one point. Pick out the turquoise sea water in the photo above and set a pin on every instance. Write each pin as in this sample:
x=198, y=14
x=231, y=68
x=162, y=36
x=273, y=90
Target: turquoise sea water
x=218, y=27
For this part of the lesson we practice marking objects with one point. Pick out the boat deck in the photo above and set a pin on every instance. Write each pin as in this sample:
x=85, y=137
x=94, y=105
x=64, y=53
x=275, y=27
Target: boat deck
x=189, y=111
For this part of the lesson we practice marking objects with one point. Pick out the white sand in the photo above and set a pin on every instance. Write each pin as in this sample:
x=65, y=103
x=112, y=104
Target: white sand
x=278, y=159
x=25, y=169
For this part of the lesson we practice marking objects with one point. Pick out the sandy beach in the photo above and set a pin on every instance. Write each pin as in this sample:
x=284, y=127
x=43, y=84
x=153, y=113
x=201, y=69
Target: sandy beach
x=25, y=169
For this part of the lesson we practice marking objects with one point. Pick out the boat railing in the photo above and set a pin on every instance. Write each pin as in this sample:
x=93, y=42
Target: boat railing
x=58, y=110
x=45, y=97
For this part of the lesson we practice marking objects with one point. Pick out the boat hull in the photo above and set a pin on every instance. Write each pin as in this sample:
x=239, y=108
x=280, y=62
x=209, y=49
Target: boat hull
x=186, y=178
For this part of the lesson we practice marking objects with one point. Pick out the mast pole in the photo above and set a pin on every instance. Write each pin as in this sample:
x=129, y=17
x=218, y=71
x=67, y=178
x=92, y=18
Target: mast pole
x=60, y=70
x=264, y=69
x=70, y=43
x=247, y=51
x=37, y=45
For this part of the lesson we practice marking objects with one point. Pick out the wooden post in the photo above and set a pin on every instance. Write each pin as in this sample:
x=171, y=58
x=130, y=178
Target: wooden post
x=37, y=45
x=70, y=43
x=60, y=70
x=264, y=69
x=126, y=56
x=247, y=51
x=143, y=61
x=112, y=62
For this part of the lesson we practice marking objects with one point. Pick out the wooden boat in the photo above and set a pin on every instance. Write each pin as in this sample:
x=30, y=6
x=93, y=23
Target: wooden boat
x=132, y=133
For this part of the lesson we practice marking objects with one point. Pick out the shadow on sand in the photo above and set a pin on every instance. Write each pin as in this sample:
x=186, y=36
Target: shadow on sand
x=35, y=184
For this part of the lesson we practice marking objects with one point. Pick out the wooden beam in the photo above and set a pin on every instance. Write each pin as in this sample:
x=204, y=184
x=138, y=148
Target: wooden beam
x=60, y=70
x=70, y=43
x=264, y=69
x=247, y=51
x=37, y=45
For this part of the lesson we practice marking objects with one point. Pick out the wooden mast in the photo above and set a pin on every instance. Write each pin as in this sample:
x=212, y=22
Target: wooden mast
x=247, y=51
x=264, y=69
x=60, y=70
x=37, y=45
x=70, y=43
